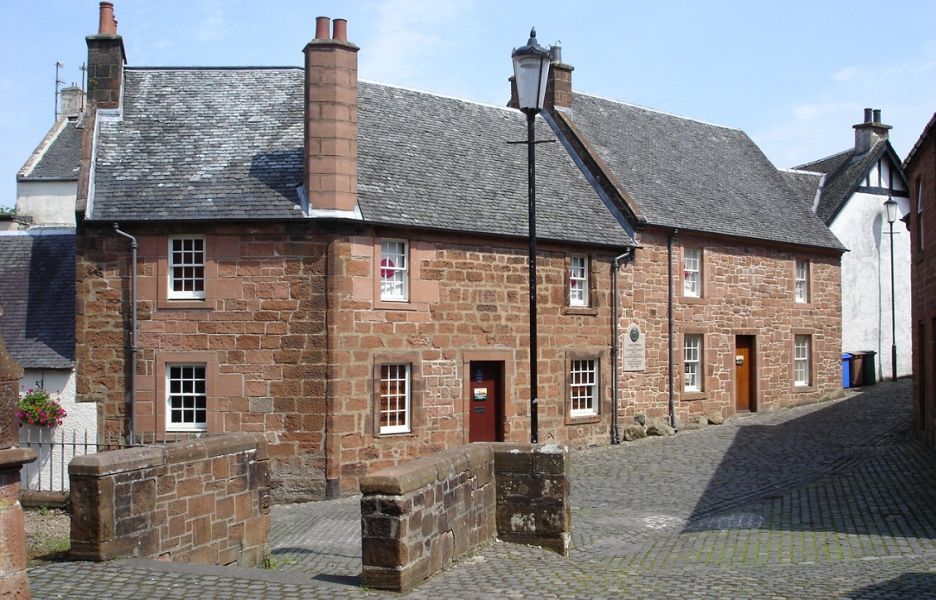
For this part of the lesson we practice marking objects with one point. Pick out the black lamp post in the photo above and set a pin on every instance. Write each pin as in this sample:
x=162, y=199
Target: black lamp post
x=531, y=68
x=891, y=208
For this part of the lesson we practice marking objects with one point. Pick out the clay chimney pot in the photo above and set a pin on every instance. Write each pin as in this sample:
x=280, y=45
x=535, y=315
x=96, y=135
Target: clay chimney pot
x=107, y=24
x=341, y=30
x=321, y=28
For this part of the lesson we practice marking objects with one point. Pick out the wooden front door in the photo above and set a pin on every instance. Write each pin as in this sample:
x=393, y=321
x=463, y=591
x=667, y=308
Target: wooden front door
x=485, y=401
x=744, y=373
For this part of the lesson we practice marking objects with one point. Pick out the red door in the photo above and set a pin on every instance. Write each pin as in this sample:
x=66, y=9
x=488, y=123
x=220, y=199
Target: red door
x=485, y=402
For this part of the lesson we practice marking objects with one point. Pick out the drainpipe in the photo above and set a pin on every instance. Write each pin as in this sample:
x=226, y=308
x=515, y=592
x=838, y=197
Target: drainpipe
x=669, y=310
x=131, y=375
x=615, y=424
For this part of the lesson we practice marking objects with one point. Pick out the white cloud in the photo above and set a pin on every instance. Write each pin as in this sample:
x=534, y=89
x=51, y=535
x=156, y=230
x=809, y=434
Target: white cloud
x=818, y=124
x=410, y=36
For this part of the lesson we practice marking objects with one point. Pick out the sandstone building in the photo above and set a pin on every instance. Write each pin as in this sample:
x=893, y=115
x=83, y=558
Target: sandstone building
x=920, y=168
x=342, y=265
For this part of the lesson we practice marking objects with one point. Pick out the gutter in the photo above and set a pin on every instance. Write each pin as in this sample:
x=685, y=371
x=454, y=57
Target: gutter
x=669, y=311
x=131, y=375
x=615, y=419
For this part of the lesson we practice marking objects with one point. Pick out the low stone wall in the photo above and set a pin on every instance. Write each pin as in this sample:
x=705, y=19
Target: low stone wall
x=418, y=517
x=533, y=504
x=204, y=500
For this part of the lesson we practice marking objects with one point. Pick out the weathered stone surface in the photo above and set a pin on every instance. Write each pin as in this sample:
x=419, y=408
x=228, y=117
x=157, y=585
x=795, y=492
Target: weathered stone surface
x=715, y=418
x=659, y=426
x=633, y=432
x=640, y=419
x=10, y=374
x=214, y=508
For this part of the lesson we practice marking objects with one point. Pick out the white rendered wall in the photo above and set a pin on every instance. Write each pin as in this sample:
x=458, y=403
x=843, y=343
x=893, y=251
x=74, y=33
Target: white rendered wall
x=47, y=202
x=866, y=294
x=47, y=472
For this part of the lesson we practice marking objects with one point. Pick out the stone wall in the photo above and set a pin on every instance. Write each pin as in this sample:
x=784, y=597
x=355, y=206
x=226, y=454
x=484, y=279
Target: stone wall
x=418, y=517
x=533, y=495
x=260, y=331
x=921, y=174
x=14, y=582
x=204, y=501
x=468, y=302
x=746, y=290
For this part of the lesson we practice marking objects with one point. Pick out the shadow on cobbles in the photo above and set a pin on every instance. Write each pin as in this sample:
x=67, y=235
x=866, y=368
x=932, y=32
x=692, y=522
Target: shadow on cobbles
x=852, y=467
x=908, y=585
x=352, y=580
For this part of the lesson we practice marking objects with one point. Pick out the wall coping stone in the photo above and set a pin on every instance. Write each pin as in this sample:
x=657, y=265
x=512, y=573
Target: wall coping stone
x=143, y=457
x=420, y=472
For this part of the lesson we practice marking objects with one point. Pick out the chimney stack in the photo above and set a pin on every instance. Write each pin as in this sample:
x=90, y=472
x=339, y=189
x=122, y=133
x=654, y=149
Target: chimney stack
x=72, y=102
x=106, y=58
x=558, y=83
x=330, y=145
x=870, y=132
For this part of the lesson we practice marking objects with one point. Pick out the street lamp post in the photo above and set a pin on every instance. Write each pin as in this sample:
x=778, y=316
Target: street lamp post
x=891, y=209
x=531, y=68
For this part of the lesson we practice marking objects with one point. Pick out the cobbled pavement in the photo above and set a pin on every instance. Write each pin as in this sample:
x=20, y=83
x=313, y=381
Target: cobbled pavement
x=831, y=500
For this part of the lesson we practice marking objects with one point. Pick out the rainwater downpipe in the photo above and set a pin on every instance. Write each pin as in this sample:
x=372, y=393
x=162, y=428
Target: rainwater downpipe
x=615, y=419
x=131, y=375
x=669, y=311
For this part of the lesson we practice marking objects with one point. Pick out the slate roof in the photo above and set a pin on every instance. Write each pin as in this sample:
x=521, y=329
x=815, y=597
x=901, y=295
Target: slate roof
x=804, y=184
x=200, y=144
x=696, y=176
x=60, y=161
x=843, y=172
x=37, y=279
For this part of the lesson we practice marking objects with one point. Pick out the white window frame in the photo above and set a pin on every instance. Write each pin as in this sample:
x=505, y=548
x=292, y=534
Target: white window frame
x=176, y=270
x=578, y=280
x=802, y=281
x=919, y=207
x=394, y=270
x=188, y=398
x=692, y=272
x=583, y=387
x=692, y=362
x=802, y=360
x=399, y=402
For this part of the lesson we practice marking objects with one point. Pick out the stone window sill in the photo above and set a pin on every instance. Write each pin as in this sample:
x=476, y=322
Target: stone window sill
x=693, y=396
x=580, y=310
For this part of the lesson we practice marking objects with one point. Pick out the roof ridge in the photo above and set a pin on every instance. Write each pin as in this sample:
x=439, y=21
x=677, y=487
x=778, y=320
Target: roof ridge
x=216, y=68
x=824, y=158
x=661, y=112
x=437, y=95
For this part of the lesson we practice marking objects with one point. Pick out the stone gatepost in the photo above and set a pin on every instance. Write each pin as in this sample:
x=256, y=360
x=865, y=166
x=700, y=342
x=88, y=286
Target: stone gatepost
x=13, y=581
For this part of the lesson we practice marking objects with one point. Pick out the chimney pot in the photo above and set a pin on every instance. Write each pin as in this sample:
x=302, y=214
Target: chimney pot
x=555, y=53
x=321, y=28
x=107, y=24
x=877, y=115
x=867, y=115
x=340, y=30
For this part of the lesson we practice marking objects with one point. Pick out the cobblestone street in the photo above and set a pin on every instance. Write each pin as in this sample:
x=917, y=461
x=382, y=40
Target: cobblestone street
x=824, y=501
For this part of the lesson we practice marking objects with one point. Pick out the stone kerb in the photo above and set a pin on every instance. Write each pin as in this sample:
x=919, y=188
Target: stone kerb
x=533, y=487
x=204, y=500
x=418, y=517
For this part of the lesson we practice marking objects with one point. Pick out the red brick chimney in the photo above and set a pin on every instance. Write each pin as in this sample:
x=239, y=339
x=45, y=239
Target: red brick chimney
x=106, y=58
x=330, y=155
x=558, y=83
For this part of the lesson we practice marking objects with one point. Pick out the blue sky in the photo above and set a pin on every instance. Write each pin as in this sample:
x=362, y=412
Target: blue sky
x=794, y=75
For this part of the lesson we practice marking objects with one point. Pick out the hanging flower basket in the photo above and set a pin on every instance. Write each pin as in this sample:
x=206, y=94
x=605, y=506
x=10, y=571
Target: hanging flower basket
x=37, y=408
